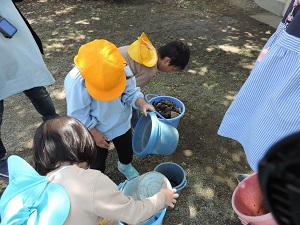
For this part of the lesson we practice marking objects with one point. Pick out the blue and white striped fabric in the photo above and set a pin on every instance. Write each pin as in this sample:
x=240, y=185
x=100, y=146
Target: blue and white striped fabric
x=267, y=108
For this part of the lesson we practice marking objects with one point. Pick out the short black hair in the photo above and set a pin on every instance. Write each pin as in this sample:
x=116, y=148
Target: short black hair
x=279, y=172
x=62, y=139
x=177, y=51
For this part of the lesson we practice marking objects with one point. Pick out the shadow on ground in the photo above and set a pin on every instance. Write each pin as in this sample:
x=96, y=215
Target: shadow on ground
x=224, y=44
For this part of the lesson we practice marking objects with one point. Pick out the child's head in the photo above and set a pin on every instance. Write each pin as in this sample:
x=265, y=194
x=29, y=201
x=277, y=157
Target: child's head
x=102, y=67
x=62, y=140
x=278, y=174
x=175, y=55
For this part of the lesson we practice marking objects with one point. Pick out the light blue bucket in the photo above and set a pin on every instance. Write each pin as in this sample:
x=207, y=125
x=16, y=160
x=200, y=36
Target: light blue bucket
x=174, y=173
x=151, y=136
x=173, y=121
x=142, y=187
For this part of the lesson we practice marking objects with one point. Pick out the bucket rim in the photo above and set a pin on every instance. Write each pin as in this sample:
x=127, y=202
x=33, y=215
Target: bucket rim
x=268, y=216
x=152, y=138
x=184, y=181
x=169, y=98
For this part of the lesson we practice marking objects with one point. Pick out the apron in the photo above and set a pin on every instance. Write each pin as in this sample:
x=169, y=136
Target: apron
x=21, y=63
x=266, y=109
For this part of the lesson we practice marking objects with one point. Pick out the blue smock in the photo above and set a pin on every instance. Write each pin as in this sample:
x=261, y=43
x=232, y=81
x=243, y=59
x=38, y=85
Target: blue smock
x=112, y=118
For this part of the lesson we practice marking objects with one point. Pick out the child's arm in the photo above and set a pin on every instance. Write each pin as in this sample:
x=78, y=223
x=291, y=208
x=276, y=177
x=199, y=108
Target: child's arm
x=144, y=106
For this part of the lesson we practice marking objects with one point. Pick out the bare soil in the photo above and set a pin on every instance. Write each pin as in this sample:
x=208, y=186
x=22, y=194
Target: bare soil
x=224, y=44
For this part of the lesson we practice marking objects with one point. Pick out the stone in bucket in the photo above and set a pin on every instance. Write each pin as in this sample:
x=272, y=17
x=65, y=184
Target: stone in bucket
x=166, y=104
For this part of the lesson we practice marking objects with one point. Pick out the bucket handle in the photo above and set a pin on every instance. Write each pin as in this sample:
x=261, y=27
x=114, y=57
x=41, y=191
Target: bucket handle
x=121, y=185
x=157, y=113
x=151, y=95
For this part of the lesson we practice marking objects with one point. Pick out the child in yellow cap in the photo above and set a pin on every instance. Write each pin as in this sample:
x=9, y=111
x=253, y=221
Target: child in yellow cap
x=100, y=91
x=145, y=61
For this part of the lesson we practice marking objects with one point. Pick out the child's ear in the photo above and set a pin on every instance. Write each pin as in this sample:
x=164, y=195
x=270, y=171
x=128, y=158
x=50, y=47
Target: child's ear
x=166, y=60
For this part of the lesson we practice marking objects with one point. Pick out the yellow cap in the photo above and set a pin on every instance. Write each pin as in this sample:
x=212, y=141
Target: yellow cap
x=102, y=67
x=143, y=52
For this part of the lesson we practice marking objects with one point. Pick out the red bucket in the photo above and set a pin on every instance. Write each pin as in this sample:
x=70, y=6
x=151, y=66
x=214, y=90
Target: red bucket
x=249, y=204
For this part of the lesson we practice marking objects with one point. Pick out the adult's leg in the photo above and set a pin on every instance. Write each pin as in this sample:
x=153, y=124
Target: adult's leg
x=42, y=102
x=2, y=148
x=99, y=162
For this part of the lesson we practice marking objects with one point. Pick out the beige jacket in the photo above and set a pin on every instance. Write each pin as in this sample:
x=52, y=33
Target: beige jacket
x=95, y=196
x=143, y=74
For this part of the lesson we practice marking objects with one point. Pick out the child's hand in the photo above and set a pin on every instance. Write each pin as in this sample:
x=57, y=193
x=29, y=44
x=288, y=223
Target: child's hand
x=144, y=106
x=147, y=107
x=170, y=195
x=101, y=140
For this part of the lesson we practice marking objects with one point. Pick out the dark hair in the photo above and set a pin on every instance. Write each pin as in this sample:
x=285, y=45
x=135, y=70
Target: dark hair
x=177, y=51
x=279, y=172
x=62, y=139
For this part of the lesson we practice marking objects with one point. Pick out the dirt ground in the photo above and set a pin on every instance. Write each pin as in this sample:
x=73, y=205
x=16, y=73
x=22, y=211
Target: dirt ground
x=224, y=44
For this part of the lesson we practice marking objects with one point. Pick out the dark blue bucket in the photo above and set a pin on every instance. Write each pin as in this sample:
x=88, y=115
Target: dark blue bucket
x=173, y=121
x=174, y=173
x=151, y=136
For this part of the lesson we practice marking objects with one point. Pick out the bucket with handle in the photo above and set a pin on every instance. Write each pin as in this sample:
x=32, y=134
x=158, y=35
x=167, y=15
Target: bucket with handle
x=142, y=187
x=171, y=121
x=249, y=204
x=174, y=173
x=151, y=136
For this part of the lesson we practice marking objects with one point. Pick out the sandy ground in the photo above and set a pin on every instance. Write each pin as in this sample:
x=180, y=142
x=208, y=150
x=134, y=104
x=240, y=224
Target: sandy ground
x=224, y=42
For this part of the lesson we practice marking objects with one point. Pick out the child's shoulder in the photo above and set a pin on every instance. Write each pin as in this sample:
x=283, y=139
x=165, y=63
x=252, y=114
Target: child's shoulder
x=73, y=78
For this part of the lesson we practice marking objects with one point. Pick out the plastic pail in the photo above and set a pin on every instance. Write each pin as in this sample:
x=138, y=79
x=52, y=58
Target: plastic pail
x=152, y=136
x=142, y=187
x=174, y=173
x=173, y=121
x=157, y=219
x=248, y=203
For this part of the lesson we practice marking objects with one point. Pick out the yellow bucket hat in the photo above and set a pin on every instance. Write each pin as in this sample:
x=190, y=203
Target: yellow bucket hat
x=102, y=67
x=143, y=52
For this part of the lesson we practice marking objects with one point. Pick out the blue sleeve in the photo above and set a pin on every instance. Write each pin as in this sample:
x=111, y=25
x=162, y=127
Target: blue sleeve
x=78, y=99
x=132, y=92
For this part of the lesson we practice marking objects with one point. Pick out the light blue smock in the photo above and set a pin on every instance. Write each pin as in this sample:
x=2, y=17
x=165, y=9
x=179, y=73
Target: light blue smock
x=267, y=107
x=111, y=118
x=21, y=64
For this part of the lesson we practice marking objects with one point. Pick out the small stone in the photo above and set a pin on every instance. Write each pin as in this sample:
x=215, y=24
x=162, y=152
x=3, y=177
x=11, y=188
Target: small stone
x=174, y=114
